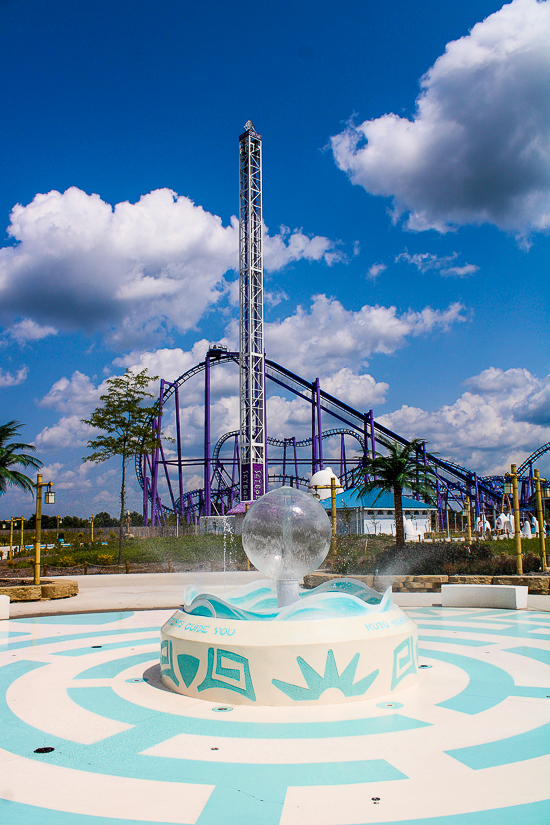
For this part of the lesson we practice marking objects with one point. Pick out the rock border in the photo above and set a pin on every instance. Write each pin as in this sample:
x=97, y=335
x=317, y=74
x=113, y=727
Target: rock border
x=46, y=590
x=432, y=584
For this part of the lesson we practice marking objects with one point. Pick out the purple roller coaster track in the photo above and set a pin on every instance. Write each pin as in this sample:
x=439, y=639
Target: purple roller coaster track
x=289, y=461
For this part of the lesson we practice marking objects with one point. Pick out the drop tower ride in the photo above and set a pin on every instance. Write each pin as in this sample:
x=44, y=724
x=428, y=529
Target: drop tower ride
x=252, y=437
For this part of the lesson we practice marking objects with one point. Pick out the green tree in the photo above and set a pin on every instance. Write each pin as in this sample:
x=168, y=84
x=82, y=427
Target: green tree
x=392, y=473
x=125, y=420
x=104, y=519
x=10, y=458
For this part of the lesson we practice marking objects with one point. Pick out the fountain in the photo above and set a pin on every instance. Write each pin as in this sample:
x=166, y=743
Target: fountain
x=271, y=642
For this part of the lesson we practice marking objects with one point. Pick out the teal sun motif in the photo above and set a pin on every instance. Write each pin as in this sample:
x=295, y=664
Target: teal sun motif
x=332, y=679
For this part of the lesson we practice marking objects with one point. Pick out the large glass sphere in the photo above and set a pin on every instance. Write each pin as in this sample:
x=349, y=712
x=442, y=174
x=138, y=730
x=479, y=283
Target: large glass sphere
x=286, y=533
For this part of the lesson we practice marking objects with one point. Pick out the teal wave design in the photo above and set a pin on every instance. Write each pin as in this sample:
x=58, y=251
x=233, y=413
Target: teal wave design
x=338, y=598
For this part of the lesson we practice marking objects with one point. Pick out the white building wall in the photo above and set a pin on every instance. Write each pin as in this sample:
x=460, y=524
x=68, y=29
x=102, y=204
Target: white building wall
x=376, y=522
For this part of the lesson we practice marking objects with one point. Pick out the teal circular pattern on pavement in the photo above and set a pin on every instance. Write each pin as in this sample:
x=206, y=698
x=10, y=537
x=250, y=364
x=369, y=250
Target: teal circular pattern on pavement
x=92, y=737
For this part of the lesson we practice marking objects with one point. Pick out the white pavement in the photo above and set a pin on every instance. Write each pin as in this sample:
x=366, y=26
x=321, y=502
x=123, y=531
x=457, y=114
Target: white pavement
x=158, y=591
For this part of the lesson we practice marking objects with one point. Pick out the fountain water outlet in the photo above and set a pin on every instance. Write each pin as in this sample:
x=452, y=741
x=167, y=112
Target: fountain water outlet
x=273, y=643
x=286, y=534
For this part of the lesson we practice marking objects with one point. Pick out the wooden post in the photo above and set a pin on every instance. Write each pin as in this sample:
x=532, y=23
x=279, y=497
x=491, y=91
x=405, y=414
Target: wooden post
x=517, y=527
x=540, y=519
x=334, y=521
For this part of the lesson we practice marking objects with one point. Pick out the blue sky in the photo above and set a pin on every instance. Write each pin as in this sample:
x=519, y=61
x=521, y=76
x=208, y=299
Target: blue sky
x=406, y=187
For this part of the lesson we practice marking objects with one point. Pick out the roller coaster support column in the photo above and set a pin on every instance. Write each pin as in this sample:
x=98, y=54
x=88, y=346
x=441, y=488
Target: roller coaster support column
x=157, y=426
x=319, y=427
x=207, y=473
x=145, y=492
x=517, y=527
x=540, y=519
x=372, y=439
x=314, y=460
x=178, y=436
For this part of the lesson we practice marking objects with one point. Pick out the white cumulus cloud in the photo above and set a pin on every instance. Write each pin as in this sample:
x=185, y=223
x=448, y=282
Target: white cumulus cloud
x=28, y=330
x=327, y=337
x=133, y=271
x=8, y=379
x=68, y=432
x=477, y=149
x=502, y=418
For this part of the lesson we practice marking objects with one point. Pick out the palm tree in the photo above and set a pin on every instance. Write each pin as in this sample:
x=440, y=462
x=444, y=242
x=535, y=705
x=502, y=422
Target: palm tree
x=10, y=457
x=393, y=473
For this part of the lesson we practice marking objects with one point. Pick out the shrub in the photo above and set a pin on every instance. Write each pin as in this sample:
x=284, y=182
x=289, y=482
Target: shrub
x=449, y=559
x=105, y=559
x=63, y=561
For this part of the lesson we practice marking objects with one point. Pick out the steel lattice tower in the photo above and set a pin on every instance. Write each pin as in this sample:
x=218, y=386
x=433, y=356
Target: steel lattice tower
x=251, y=318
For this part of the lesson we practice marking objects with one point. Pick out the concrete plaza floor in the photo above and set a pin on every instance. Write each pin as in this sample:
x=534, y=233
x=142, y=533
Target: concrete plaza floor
x=151, y=591
x=91, y=737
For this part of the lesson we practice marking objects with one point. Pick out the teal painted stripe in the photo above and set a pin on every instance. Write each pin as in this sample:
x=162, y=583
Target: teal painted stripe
x=537, y=653
x=488, y=685
x=425, y=611
x=105, y=701
x=518, y=748
x=108, y=670
x=121, y=755
x=532, y=813
x=85, y=651
x=17, y=813
x=96, y=634
x=6, y=635
x=512, y=631
x=230, y=806
x=78, y=618
x=447, y=641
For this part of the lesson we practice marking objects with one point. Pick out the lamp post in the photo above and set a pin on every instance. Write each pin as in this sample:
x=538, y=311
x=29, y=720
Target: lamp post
x=49, y=498
x=511, y=486
x=57, y=529
x=466, y=512
x=540, y=519
x=92, y=526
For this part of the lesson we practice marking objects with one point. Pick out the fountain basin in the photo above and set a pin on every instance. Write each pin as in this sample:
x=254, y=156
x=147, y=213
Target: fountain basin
x=308, y=662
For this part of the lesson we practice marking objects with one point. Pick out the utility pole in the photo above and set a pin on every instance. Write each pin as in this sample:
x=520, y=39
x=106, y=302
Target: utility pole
x=251, y=318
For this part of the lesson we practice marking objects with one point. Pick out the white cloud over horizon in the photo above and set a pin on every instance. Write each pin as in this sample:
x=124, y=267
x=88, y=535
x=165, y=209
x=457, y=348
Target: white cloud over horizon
x=131, y=271
x=477, y=149
x=502, y=418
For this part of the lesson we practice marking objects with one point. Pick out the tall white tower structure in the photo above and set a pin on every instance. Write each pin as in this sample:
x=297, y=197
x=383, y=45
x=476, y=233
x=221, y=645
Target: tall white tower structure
x=251, y=318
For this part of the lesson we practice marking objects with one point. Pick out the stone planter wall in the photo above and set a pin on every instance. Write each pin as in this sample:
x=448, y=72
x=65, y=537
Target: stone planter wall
x=29, y=592
x=432, y=584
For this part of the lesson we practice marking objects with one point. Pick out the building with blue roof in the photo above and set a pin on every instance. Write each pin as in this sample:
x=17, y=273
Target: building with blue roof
x=372, y=515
